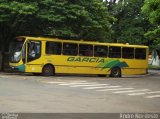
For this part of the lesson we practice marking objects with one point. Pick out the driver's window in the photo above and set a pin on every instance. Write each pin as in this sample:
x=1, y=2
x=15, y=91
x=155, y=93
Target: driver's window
x=34, y=50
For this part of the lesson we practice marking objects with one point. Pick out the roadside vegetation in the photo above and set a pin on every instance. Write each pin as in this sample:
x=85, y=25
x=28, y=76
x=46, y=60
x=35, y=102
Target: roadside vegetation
x=122, y=21
x=153, y=67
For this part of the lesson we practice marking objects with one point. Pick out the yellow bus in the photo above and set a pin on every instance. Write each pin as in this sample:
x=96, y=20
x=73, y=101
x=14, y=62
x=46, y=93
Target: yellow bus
x=49, y=56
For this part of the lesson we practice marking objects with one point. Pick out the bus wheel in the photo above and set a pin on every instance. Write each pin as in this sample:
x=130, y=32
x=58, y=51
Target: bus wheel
x=48, y=70
x=115, y=72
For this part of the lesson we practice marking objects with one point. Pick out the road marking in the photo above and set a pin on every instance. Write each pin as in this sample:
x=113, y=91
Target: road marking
x=130, y=91
x=89, y=85
x=52, y=82
x=75, y=83
x=153, y=92
x=102, y=87
x=115, y=89
x=153, y=96
x=133, y=94
x=78, y=81
x=59, y=82
x=105, y=87
x=6, y=77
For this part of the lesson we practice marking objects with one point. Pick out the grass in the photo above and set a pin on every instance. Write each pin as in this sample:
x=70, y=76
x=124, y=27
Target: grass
x=153, y=67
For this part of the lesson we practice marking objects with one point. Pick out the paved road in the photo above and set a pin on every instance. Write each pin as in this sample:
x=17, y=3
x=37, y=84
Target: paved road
x=80, y=94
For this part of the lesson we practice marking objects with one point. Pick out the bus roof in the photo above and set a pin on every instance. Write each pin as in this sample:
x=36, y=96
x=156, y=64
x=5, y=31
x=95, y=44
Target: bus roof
x=82, y=41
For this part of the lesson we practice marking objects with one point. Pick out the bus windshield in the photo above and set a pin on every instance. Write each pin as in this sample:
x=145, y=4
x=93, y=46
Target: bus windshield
x=15, y=51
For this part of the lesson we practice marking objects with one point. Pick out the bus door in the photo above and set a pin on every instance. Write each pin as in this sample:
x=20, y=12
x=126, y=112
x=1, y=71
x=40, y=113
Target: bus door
x=32, y=52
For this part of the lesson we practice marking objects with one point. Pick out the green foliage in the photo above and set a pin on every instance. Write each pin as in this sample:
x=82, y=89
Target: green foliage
x=14, y=17
x=76, y=19
x=151, y=9
x=154, y=36
x=131, y=24
x=68, y=19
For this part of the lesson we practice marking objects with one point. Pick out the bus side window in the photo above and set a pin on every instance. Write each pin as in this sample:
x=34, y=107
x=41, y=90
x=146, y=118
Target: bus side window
x=70, y=49
x=100, y=51
x=114, y=52
x=53, y=48
x=140, y=53
x=85, y=50
x=127, y=53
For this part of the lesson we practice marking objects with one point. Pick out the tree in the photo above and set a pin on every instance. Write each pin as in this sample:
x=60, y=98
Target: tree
x=131, y=24
x=151, y=9
x=68, y=19
x=14, y=18
x=76, y=19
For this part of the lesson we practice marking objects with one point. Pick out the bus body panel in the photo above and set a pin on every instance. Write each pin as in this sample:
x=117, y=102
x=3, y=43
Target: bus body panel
x=83, y=64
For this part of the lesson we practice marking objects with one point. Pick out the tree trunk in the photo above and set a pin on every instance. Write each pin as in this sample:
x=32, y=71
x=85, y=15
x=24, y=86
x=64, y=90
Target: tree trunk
x=5, y=39
x=0, y=61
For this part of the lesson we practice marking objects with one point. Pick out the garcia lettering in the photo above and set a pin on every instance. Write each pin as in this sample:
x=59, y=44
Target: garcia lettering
x=85, y=59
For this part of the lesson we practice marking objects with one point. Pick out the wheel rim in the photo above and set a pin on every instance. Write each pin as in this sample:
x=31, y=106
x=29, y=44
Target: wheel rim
x=116, y=72
x=47, y=71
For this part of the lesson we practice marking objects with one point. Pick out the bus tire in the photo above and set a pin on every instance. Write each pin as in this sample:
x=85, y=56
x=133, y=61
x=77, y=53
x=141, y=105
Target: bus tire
x=115, y=72
x=48, y=70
